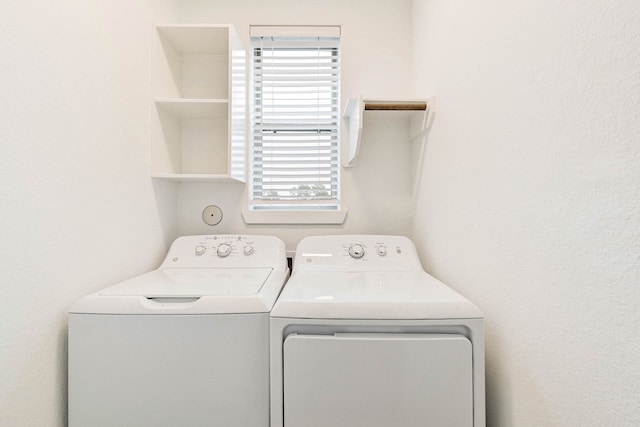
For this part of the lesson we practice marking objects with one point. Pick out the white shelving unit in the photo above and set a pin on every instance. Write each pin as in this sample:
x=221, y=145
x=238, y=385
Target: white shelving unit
x=199, y=116
x=418, y=112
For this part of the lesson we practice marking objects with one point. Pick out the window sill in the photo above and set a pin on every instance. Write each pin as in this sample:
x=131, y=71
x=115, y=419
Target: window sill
x=293, y=217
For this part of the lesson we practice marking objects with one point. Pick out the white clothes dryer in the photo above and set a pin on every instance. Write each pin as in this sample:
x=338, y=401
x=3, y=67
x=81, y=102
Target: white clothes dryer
x=362, y=336
x=184, y=345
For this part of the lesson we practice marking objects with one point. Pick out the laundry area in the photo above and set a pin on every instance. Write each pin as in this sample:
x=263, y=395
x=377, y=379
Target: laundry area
x=436, y=221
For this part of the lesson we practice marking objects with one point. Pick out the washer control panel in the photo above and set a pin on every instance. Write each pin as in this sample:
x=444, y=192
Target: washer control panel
x=357, y=253
x=224, y=250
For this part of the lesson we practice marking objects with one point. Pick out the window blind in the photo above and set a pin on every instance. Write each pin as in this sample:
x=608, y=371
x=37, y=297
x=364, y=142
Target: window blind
x=295, y=122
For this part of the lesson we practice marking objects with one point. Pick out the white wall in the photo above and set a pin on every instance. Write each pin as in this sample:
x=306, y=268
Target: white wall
x=375, y=47
x=529, y=201
x=530, y=197
x=78, y=209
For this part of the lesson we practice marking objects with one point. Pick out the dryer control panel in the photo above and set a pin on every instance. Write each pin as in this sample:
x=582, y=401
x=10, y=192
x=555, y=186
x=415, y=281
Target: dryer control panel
x=356, y=253
x=225, y=250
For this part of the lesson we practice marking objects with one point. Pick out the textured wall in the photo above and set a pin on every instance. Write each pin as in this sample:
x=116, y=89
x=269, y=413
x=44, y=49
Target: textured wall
x=78, y=209
x=530, y=197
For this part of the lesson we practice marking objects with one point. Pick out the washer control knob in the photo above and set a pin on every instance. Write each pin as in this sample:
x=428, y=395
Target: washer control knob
x=248, y=250
x=382, y=250
x=224, y=249
x=356, y=251
x=200, y=250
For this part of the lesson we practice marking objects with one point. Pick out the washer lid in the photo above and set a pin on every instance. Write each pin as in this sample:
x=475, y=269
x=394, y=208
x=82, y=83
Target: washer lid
x=371, y=295
x=192, y=282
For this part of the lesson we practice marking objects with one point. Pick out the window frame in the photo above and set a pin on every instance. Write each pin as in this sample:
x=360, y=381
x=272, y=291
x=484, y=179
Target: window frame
x=295, y=208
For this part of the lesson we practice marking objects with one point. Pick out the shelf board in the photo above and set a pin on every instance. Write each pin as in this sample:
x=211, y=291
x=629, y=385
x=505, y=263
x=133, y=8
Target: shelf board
x=182, y=107
x=196, y=177
x=386, y=105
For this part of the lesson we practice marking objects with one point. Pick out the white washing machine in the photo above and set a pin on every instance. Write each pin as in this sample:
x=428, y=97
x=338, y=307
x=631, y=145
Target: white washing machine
x=362, y=336
x=184, y=345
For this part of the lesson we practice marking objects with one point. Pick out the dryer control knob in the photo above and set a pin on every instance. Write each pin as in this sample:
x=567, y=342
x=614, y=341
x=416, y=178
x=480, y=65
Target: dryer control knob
x=224, y=250
x=200, y=250
x=356, y=251
x=248, y=250
x=382, y=250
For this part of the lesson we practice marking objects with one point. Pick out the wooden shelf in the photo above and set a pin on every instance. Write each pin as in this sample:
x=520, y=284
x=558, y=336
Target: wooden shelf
x=395, y=106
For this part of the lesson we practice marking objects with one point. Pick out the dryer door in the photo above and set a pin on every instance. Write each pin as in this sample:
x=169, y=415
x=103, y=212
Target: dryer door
x=378, y=380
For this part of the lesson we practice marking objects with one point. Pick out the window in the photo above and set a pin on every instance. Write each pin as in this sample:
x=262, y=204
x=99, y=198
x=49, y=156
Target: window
x=295, y=118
